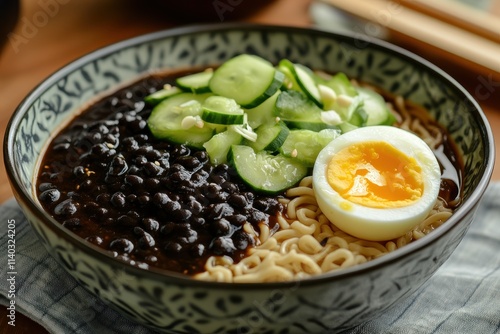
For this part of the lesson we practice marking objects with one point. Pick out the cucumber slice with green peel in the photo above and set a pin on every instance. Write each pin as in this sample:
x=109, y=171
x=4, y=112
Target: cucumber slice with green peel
x=222, y=110
x=298, y=111
x=263, y=113
x=162, y=94
x=341, y=84
x=218, y=146
x=359, y=116
x=247, y=79
x=178, y=119
x=195, y=83
x=305, y=79
x=289, y=82
x=264, y=172
x=375, y=108
x=305, y=145
x=270, y=137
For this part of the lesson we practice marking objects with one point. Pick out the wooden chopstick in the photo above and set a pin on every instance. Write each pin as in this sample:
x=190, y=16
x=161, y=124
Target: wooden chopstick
x=461, y=15
x=404, y=20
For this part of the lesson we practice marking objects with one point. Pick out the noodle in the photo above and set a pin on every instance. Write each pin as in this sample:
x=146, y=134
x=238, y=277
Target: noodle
x=309, y=245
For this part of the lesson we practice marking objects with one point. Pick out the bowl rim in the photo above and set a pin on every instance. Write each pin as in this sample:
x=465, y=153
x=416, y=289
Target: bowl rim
x=172, y=277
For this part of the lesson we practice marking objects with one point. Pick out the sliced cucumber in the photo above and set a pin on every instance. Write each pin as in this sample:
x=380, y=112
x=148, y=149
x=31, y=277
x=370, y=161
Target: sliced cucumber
x=305, y=145
x=247, y=79
x=359, y=116
x=297, y=111
x=195, y=83
x=222, y=110
x=218, y=146
x=175, y=119
x=375, y=107
x=305, y=79
x=263, y=113
x=270, y=137
x=341, y=84
x=158, y=96
x=265, y=172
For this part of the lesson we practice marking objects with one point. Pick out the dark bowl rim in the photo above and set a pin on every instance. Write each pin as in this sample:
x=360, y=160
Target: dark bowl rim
x=173, y=277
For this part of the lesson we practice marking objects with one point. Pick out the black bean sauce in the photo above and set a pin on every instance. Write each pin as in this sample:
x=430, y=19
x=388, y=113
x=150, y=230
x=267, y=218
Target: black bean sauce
x=150, y=202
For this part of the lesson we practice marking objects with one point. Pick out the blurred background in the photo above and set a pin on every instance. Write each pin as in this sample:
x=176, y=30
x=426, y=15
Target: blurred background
x=40, y=36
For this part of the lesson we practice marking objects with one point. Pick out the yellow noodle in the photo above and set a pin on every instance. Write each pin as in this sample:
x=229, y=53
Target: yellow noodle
x=309, y=245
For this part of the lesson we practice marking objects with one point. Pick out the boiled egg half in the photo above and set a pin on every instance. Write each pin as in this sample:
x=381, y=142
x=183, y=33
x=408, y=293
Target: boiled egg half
x=377, y=182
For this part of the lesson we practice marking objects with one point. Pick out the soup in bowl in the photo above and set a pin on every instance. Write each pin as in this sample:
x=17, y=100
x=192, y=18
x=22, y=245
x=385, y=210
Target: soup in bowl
x=190, y=178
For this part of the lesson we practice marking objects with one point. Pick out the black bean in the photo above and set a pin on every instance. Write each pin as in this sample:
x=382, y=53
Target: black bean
x=46, y=186
x=180, y=150
x=145, y=239
x=161, y=199
x=212, y=190
x=130, y=144
x=198, y=250
x=189, y=236
x=143, y=200
x=229, y=187
x=171, y=207
x=194, y=206
x=118, y=200
x=134, y=180
x=103, y=198
x=238, y=201
x=181, y=214
x=242, y=240
x=131, y=198
x=179, y=176
x=78, y=171
x=237, y=219
x=202, y=156
x=65, y=208
x=61, y=147
x=140, y=160
x=152, y=169
x=153, y=155
x=150, y=224
x=189, y=162
x=122, y=245
x=143, y=150
x=268, y=205
x=151, y=184
x=255, y=216
x=118, y=166
x=222, y=227
x=223, y=246
x=95, y=239
x=173, y=248
x=219, y=210
x=50, y=196
x=71, y=223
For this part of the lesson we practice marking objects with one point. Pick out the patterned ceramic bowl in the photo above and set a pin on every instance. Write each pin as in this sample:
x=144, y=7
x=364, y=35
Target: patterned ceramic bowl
x=176, y=304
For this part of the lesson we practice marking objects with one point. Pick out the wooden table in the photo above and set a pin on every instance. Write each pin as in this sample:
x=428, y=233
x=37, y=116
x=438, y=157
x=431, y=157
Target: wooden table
x=75, y=28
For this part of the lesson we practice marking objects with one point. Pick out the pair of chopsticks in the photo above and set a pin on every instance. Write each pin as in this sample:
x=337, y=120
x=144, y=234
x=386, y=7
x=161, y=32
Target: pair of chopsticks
x=447, y=25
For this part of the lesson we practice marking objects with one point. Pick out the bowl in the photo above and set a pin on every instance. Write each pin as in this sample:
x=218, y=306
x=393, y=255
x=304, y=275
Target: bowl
x=173, y=303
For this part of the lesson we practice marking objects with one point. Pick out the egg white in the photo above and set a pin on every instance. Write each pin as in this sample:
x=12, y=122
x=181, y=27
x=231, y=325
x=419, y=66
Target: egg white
x=370, y=223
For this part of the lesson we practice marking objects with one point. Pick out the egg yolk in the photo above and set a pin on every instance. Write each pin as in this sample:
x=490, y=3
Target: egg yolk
x=375, y=174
